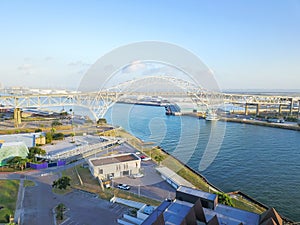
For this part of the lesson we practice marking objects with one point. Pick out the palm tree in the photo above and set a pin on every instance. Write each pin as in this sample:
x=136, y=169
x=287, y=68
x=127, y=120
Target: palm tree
x=22, y=163
x=72, y=135
x=17, y=162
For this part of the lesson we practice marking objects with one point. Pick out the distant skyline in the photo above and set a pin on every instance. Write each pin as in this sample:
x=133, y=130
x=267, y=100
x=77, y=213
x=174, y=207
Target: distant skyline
x=248, y=44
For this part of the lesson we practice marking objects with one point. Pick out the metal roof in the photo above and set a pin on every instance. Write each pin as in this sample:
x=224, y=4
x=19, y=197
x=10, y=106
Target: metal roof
x=177, y=212
x=114, y=159
x=198, y=193
x=231, y=216
x=170, y=174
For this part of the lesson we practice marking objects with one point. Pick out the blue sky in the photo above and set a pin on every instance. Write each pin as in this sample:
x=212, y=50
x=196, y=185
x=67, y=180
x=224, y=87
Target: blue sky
x=248, y=44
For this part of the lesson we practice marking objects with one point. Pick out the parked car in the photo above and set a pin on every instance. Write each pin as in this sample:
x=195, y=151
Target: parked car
x=138, y=175
x=123, y=186
x=144, y=158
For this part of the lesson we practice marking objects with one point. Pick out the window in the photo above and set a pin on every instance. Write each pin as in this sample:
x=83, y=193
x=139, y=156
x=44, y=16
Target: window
x=100, y=171
x=126, y=173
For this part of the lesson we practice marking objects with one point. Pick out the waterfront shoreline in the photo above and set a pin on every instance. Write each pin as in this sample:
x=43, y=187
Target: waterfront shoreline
x=252, y=122
x=236, y=193
x=262, y=123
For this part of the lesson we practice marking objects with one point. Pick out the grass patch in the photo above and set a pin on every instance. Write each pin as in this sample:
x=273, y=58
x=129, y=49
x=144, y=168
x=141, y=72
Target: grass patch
x=72, y=174
x=8, y=198
x=86, y=176
x=28, y=183
x=135, y=197
x=7, y=169
x=193, y=178
x=132, y=140
x=246, y=205
x=90, y=184
x=107, y=194
x=17, y=130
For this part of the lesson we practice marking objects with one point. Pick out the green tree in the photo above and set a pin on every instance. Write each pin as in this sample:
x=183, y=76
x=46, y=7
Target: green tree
x=60, y=208
x=35, y=150
x=48, y=138
x=53, y=130
x=72, y=135
x=224, y=199
x=62, y=183
x=14, y=162
x=17, y=162
x=58, y=136
x=56, y=123
x=158, y=159
x=22, y=164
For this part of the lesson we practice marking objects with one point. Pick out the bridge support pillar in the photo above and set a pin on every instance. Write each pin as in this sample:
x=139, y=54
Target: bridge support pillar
x=257, y=109
x=280, y=109
x=291, y=106
x=246, y=109
x=17, y=116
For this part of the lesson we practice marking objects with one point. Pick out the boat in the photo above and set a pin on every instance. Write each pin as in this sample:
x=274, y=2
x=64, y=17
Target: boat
x=211, y=115
x=172, y=109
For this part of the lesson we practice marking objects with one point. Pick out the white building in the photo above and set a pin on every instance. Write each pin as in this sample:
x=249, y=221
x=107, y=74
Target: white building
x=30, y=139
x=115, y=166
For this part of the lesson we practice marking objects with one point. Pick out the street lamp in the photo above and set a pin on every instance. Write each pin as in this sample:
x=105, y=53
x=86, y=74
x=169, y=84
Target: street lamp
x=139, y=190
x=72, y=121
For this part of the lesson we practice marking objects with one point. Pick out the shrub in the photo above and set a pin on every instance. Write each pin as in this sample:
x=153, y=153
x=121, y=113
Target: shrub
x=224, y=199
x=56, y=123
x=58, y=136
x=48, y=138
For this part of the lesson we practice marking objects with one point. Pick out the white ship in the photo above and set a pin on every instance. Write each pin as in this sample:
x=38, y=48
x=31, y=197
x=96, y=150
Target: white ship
x=211, y=115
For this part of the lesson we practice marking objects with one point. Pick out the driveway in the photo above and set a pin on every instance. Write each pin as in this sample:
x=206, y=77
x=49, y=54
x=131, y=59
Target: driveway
x=151, y=185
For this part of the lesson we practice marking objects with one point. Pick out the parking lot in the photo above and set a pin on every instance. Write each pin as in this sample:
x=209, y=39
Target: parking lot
x=151, y=185
x=82, y=207
x=87, y=209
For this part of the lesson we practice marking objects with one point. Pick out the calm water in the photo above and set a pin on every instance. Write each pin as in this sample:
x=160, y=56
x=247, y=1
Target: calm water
x=260, y=161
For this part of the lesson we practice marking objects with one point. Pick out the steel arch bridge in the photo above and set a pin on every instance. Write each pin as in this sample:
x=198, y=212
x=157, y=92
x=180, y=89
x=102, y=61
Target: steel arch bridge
x=164, y=86
x=99, y=102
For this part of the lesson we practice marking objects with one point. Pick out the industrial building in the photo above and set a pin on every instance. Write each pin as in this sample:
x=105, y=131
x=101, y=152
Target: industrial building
x=195, y=207
x=115, y=166
x=30, y=139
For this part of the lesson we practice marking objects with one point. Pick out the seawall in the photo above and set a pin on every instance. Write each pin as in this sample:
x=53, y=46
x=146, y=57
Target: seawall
x=263, y=123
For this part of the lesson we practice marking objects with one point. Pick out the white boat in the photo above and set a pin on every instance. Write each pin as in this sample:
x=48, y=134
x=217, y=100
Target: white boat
x=211, y=116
